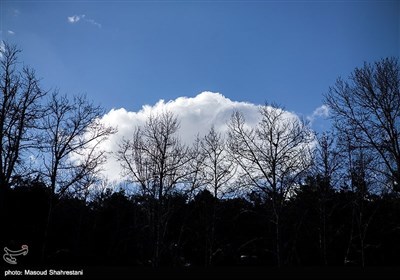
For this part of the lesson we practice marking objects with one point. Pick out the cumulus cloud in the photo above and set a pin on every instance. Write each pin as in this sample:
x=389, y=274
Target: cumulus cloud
x=321, y=111
x=196, y=115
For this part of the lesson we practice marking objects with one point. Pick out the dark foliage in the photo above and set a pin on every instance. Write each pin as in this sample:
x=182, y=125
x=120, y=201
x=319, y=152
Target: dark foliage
x=114, y=230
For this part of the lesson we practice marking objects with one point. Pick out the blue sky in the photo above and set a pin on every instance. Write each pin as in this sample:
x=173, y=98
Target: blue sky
x=131, y=53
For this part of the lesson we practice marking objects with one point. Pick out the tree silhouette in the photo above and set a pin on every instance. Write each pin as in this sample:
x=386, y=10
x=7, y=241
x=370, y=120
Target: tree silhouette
x=272, y=157
x=366, y=106
x=327, y=173
x=20, y=108
x=71, y=134
x=155, y=160
x=217, y=172
x=19, y=111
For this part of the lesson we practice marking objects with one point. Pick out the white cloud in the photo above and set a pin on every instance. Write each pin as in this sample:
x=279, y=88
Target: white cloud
x=10, y=32
x=76, y=18
x=196, y=115
x=321, y=111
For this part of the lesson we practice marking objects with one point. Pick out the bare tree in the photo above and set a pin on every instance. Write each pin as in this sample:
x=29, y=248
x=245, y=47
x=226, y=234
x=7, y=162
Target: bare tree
x=155, y=159
x=71, y=135
x=367, y=107
x=328, y=163
x=19, y=111
x=217, y=167
x=194, y=180
x=361, y=177
x=328, y=159
x=272, y=157
x=217, y=170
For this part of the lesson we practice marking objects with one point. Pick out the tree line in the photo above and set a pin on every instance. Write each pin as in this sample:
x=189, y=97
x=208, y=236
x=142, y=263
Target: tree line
x=274, y=194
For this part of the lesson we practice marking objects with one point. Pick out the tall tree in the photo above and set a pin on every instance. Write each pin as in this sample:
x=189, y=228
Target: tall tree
x=367, y=107
x=328, y=162
x=155, y=160
x=71, y=135
x=217, y=167
x=20, y=109
x=361, y=178
x=19, y=113
x=272, y=156
x=217, y=171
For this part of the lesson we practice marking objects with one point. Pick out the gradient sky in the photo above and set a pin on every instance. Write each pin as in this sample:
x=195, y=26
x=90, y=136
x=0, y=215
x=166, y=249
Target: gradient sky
x=131, y=53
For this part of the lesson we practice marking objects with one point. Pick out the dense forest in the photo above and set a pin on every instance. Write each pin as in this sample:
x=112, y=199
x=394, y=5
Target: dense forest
x=274, y=195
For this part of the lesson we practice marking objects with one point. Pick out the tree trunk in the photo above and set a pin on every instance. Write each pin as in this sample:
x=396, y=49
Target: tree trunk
x=278, y=241
x=47, y=229
x=212, y=233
